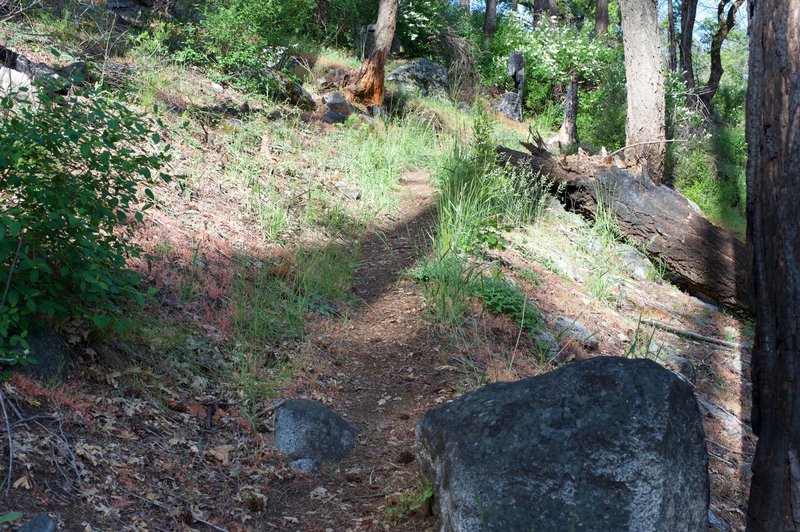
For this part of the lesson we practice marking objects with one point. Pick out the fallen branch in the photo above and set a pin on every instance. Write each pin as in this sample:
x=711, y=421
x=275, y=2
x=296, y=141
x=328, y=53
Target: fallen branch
x=10, y=441
x=613, y=153
x=692, y=335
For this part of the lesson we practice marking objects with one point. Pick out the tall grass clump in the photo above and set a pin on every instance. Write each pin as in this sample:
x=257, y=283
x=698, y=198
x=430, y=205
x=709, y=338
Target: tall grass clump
x=374, y=157
x=478, y=200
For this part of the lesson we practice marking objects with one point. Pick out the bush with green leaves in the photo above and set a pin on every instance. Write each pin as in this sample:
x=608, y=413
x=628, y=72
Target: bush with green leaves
x=551, y=54
x=70, y=176
x=419, y=23
x=502, y=298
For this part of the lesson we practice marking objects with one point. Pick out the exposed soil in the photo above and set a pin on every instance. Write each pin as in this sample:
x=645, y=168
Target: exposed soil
x=106, y=461
x=96, y=454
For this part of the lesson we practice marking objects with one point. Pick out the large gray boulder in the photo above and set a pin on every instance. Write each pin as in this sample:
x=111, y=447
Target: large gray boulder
x=310, y=434
x=603, y=444
x=422, y=75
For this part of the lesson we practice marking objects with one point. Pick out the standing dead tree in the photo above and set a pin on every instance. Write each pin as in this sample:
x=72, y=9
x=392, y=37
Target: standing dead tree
x=368, y=86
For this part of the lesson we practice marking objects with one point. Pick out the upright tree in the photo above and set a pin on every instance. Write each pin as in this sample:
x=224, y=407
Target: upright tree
x=489, y=21
x=688, y=15
x=673, y=56
x=726, y=20
x=773, y=229
x=600, y=17
x=368, y=85
x=645, y=123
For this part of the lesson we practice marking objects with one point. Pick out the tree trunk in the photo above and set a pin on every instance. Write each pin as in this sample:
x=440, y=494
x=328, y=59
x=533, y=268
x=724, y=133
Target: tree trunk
x=688, y=15
x=540, y=8
x=673, y=56
x=489, y=21
x=645, y=84
x=773, y=218
x=601, y=17
x=552, y=6
x=322, y=12
x=726, y=23
x=465, y=5
x=708, y=261
x=367, y=88
x=568, y=134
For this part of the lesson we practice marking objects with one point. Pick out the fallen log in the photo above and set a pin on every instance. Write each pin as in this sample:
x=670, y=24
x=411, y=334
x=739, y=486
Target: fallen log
x=707, y=260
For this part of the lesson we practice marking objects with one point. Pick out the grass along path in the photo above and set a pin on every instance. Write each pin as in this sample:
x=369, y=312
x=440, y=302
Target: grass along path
x=382, y=372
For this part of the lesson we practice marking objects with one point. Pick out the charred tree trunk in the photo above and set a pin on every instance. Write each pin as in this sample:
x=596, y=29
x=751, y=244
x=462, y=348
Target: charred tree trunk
x=708, y=261
x=688, y=15
x=540, y=9
x=673, y=56
x=568, y=134
x=646, y=121
x=600, y=17
x=552, y=7
x=489, y=21
x=368, y=88
x=773, y=218
x=726, y=23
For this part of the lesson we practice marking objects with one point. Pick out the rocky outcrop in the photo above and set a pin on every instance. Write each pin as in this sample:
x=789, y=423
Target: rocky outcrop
x=310, y=434
x=603, y=444
x=282, y=87
x=422, y=75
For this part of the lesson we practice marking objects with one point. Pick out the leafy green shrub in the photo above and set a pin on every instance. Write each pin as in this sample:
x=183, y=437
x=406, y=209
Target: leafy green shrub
x=551, y=54
x=70, y=170
x=502, y=298
x=419, y=23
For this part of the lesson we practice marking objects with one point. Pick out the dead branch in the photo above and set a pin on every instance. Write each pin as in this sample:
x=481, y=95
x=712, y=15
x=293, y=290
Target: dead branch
x=613, y=153
x=692, y=335
x=10, y=441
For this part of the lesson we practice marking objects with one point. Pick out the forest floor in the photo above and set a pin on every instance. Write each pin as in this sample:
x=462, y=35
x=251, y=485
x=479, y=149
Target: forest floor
x=169, y=426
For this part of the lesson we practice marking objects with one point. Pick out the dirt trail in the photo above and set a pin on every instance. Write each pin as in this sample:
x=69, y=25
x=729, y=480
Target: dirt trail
x=385, y=362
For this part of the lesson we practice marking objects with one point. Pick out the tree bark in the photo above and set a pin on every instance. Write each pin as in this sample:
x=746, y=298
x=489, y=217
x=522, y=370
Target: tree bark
x=600, y=17
x=645, y=85
x=464, y=5
x=688, y=15
x=568, y=134
x=673, y=56
x=708, y=261
x=726, y=23
x=489, y=21
x=773, y=219
x=540, y=9
x=367, y=88
x=322, y=12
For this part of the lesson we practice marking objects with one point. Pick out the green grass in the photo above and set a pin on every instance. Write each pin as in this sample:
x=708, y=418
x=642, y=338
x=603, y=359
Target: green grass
x=374, y=156
x=712, y=174
x=446, y=282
